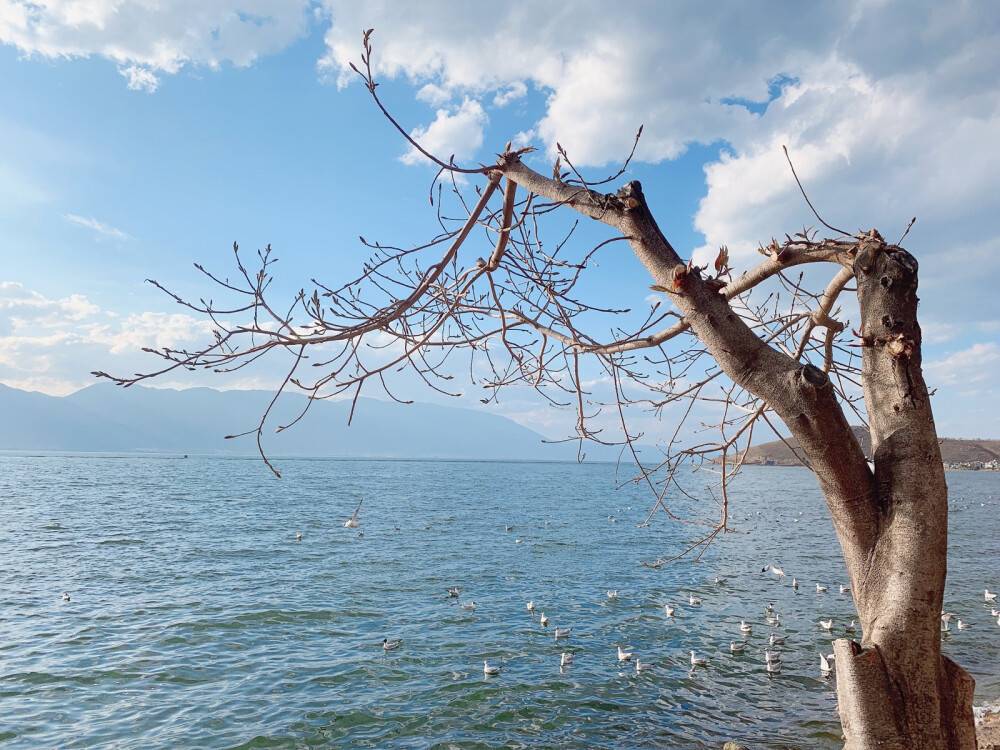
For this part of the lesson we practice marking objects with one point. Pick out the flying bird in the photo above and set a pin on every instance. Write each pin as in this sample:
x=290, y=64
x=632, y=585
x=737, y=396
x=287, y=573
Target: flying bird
x=774, y=569
x=353, y=522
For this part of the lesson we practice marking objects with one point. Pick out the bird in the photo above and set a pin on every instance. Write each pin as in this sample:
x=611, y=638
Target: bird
x=298, y=537
x=507, y=527
x=820, y=589
x=353, y=522
x=612, y=594
x=565, y=659
x=736, y=647
x=719, y=581
x=777, y=640
x=744, y=628
x=697, y=661
x=562, y=632
x=669, y=610
x=769, y=608
x=388, y=645
x=453, y=591
x=640, y=667
x=530, y=606
x=851, y=628
x=773, y=667
x=994, y=612
x=795, y=584
x=65, y=597
x=693, y=600
x=488, y=670
x=845, y=589
x=826, y=624
x=771, y=656
x=624, y=655
x=824, y=665
x=774, y=569
x=988, y=596
x=544, y=620
x=964, y=625
x=471, y=606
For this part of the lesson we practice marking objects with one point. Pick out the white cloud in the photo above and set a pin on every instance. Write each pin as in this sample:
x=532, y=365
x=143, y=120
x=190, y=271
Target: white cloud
x=101, y=230
x=145, y=38
x=458, y=133
x=973, y=365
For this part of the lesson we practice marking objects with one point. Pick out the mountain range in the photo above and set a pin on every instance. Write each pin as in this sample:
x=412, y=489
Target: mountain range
x=108, y=418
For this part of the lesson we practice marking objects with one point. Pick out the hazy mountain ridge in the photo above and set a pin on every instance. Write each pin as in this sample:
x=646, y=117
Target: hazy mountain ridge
x=953, y=450
x=107, y=418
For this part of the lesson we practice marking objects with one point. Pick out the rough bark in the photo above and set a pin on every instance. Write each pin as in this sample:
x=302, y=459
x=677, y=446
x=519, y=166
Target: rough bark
x=895, y=689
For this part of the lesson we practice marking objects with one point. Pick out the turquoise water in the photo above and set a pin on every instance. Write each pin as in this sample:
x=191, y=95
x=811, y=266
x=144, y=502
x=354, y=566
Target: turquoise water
x=197, y=619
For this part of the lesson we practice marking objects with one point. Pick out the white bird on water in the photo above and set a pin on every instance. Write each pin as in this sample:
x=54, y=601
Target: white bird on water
x=471, y=606
x=771, y=656
x=777, y=640
x=773, y=667
x=530, y=606
x=795, y=584
x=826, y=624
x=565, y=660
x=453, y=591
x=669, y=610
x=388, y=645
x=852, y=627
x=845, y=589
x=640, y=667
x=744, y=628
x=964, y=625
x=353, y=522
x=774, y=569
x=989, y=597
x=694, y=601
x=488, y=670
x=65, y=597
x=820, y=589
x=544, y=620
x=612, y=594
x=624, y=655
x=697, y=661
x=736, y=647
x=563, y=632
x=825, y=668
x=298, y=537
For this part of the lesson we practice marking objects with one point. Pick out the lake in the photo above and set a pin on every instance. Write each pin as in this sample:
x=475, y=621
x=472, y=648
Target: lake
x=197, y=619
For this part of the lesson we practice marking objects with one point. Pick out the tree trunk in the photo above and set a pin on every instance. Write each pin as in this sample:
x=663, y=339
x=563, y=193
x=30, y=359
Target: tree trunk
x=896, y=690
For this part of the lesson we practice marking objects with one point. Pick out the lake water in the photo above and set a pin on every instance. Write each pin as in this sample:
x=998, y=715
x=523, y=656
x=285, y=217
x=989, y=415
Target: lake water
x=197, y=620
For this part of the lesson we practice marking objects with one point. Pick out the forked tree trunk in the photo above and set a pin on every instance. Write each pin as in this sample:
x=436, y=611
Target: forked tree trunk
x=896, y=690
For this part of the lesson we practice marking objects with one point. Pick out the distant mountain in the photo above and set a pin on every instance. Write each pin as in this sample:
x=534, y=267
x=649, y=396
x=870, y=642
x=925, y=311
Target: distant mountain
x=107, y=418
x=778, y=453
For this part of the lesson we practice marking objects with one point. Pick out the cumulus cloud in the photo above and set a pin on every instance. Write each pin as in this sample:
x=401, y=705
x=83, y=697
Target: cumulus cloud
x=457, y=133
x=973, y=365
x=149, y=38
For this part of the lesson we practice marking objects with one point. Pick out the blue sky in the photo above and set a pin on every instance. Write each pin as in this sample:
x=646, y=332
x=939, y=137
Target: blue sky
x=137, y=139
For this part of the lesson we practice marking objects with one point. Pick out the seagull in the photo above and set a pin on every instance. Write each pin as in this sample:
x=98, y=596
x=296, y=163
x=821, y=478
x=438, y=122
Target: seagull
x=694, y=601
x=773, y=667
x=774, y=569
x=825, y=668
x=994, y=612
x=778, y=640
x=507, y=527
x=669, y=610
x=820, y=589
x=698, y=662
x=851, y=628
x=453, y=591
x=612, y=594
x=388, y=645
x=845, y=589
x=719, y=581
x=744, y=628
x=769, y=608
x=471, y=606
x=353, y=522
x=640, y=667
x=530, y=606
x=565, y=660
x=736, y=647
x=826, y=624
x=488, y=670
x=771, y=656
x=988, y=596
x=298, y=537
x=563, y=633
x=65, y=597
x=964, y=625
x=544, y=621
x=624, y=655
x=795, y=584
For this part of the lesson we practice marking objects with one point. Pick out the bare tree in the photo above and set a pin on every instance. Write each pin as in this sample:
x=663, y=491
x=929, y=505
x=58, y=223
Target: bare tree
x=515, y=311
